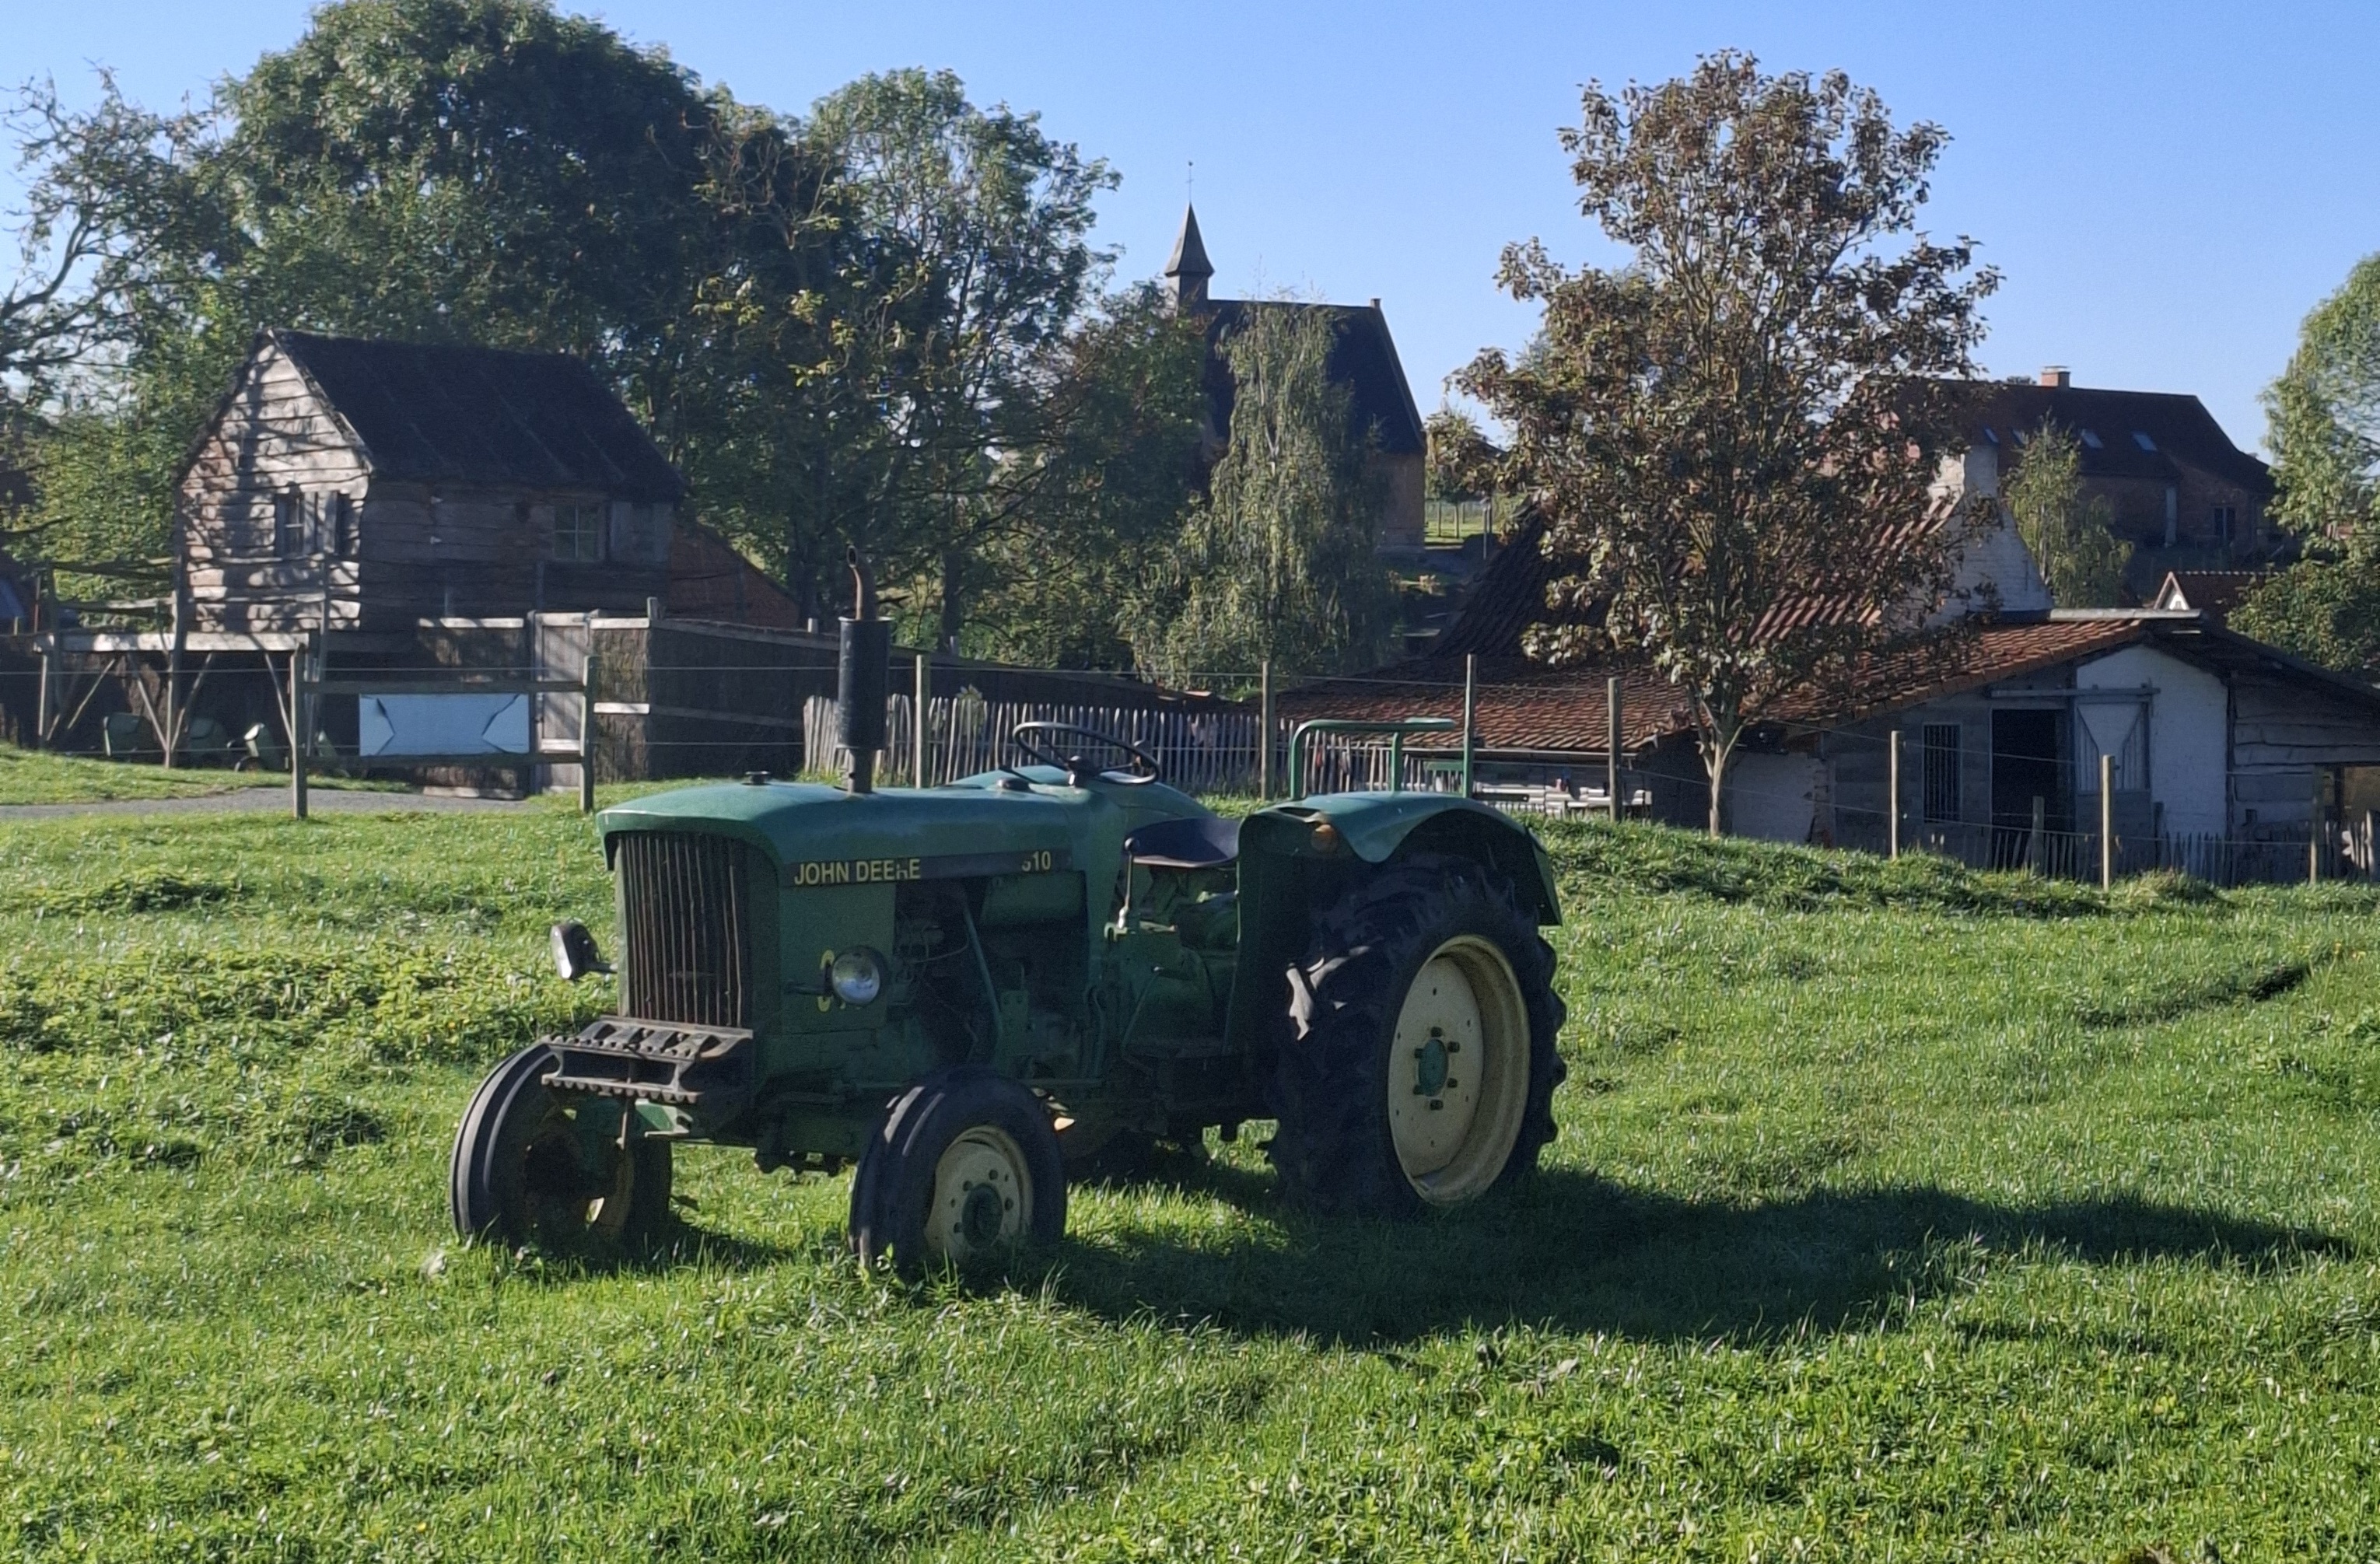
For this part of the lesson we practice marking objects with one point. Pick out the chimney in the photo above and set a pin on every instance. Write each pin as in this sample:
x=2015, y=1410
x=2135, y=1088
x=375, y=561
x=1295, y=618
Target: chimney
x=2057, y=375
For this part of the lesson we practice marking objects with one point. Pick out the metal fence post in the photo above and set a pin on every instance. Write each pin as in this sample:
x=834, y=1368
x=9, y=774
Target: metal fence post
x=1264, y=730
x=1611, y=742
x=41, y=704
x=921, y=722
x=587, y=737
x=1893, y=798
x=1470, y=715
x=297, y=726
x=2107, y=821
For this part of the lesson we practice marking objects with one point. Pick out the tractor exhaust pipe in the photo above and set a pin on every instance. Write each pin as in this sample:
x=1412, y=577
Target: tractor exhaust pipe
x=862, y=679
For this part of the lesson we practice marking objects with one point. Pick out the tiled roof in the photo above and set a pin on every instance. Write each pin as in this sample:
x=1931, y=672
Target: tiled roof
x=2215, y=592
x=1363, y=355
x=435, y=413
x=1526, y=707
x=2178, y=428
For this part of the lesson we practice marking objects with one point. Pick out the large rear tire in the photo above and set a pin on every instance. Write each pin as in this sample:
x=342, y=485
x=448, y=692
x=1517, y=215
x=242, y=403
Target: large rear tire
x=533, y=1166
x=1420, y=1063
x=963, y=1171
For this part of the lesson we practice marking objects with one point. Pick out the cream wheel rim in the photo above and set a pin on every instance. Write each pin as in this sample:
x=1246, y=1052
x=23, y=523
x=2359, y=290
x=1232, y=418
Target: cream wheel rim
x=983, y=1196
x=1458, y=1076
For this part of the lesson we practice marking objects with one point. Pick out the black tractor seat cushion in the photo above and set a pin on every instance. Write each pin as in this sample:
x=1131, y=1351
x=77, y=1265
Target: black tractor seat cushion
x=1204, y=841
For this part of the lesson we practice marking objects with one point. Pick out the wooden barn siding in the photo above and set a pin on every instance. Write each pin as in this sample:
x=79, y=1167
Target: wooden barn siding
x=273, y=433
x=2282, y=730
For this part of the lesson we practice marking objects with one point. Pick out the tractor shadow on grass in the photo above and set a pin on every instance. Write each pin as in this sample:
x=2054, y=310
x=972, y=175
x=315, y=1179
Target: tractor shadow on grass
x=1582, y=1254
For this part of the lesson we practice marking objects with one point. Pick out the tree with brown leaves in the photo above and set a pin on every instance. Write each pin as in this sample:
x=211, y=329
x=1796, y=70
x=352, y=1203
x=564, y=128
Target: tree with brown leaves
x=1734, y=437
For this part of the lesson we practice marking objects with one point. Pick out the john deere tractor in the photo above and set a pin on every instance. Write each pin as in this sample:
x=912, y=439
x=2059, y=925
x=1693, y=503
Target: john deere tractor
x=969, y=990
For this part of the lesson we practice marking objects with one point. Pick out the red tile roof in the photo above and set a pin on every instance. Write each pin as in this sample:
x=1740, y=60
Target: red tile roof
x=1527, y=708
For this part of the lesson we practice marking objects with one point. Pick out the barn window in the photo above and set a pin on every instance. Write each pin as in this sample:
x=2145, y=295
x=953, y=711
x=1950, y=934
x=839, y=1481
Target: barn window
x=578, y=534
x=340, y=525
x=1942, y=770
x=2224, y=517
x=288, y=524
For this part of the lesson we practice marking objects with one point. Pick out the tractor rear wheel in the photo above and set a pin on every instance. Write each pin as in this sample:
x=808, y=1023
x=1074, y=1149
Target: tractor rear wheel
x=533, y=1166
x=1420, y=1065
x=964, y=1169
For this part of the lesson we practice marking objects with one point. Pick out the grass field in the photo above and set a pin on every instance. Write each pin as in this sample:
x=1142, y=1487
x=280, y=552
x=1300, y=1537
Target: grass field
x=38, y=777
x=1897, y=1213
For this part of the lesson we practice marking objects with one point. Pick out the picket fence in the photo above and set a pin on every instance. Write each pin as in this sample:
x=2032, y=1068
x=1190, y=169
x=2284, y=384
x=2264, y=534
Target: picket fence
x=1200, y=751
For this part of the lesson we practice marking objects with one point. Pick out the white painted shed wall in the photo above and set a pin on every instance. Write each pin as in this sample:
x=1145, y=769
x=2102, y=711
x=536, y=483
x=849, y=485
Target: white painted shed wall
x=2189, y=719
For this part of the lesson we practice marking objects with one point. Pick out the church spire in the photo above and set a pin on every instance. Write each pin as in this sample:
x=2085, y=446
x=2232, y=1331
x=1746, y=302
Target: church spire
x=1189, y=268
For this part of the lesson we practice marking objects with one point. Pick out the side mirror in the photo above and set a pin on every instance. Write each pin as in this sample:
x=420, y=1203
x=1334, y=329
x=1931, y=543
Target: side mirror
x=575, y=954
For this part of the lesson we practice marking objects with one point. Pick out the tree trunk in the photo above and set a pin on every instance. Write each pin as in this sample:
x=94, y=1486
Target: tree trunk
x=954, y=601
x=1718, y=749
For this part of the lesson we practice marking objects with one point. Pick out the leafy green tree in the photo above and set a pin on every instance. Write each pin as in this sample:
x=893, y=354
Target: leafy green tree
x=977, y=224
x=106, y=188
x=1129, y=394
x=1277, y=564
x=2068, y=533
x=1733, y=436
x=2324, y=426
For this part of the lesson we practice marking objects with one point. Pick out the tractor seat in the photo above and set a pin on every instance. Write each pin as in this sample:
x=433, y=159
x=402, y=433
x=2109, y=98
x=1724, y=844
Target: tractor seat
x=1202, y=841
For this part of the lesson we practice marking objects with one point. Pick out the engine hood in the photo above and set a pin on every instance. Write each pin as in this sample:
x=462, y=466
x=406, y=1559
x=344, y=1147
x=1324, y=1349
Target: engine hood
x=822, y=835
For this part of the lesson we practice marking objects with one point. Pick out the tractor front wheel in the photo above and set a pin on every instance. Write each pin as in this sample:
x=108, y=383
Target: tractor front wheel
x=963, y=1168
x=1419, y=1067
x=533, y=1166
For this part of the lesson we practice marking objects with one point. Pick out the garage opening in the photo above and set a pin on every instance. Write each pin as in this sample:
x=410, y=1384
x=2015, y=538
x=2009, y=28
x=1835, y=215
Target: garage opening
x=2028, y=755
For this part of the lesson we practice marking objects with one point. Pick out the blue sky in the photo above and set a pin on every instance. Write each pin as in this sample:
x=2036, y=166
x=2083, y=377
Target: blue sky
x=2167, y=187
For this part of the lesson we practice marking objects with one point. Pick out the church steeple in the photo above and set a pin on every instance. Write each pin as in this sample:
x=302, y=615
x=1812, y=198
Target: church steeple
x=1189, y=268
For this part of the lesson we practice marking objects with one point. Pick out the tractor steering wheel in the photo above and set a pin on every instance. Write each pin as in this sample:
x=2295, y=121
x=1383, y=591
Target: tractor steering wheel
x=1043, y=741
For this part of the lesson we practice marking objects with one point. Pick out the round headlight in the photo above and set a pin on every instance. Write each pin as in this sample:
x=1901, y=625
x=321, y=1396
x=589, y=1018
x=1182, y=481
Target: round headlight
x=858, y=977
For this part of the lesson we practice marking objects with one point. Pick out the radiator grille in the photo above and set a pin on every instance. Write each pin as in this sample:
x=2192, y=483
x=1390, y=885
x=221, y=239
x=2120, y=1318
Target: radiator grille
x=685, y=917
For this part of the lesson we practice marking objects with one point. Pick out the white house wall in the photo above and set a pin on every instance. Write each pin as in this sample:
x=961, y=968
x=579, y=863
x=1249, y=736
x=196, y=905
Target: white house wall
x=1995, y=567
x=2188, y=718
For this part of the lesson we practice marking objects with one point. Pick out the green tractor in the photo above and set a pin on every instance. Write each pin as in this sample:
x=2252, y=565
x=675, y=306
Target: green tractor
x=969, y=989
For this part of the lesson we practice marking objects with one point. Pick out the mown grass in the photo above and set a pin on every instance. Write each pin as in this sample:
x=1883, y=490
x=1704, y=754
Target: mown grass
x=1898, y=1212
x=32, y=776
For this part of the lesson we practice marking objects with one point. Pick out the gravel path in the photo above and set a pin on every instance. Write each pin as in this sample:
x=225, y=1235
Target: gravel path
x=248, y=800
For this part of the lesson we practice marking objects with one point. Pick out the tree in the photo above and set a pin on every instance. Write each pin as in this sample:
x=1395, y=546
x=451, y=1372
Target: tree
x=2323, y=417
x=1734, y=437
x=2067, y=533
x=977, y=224
x=1277, y=564
x=105, y=190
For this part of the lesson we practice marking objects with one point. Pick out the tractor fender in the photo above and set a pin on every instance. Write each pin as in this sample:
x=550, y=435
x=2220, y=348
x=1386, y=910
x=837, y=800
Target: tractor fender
x=1378, y=826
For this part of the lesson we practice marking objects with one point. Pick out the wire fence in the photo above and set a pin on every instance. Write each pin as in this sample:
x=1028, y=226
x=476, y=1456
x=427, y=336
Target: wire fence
x=746, y=716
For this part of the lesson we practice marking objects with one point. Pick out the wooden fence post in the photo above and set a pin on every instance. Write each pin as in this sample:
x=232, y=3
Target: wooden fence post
x=2034, y=843
x=587, y=737
x=1264, y=730
x=1611, y=742
x=921, y=721
x=173, y=681
x=1892, y=797
x=2107, y=821
x=1470, y=715
x=41, y=704
x=297, y=726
